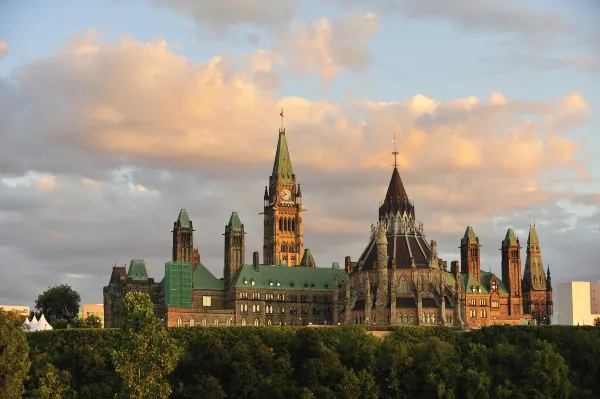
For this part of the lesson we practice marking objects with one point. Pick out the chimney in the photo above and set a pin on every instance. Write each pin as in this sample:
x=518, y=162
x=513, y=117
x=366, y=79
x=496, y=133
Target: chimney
x=348, y=264
x=255, y=260
x=454, y=267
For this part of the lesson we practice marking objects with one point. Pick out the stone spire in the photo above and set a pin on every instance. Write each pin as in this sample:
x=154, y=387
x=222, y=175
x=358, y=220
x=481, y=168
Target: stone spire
x=283, y=164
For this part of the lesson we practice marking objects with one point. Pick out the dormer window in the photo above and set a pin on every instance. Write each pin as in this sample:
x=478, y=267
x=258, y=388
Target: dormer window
x=278, y=284
x=245, y=281
x=252, y=282
x=291, y=283
x=270, y=283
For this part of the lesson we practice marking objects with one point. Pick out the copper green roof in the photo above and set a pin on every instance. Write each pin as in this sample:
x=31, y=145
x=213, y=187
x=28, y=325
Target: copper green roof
x=137, y=270
x=307, y=259
x=510, y=239
x=468, y=282
x=533, y=274
x=205, y=280
x=183, y=219
x=289, y=278
x=235, y=224
x=533, y=237
x=469, y=235
x=283, y=163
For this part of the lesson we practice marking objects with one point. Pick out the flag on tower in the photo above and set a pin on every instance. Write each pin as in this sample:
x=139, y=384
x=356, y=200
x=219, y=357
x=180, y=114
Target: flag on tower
x=281, y=114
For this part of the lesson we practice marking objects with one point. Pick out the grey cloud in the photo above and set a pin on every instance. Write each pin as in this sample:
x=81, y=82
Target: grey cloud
x=220, y=15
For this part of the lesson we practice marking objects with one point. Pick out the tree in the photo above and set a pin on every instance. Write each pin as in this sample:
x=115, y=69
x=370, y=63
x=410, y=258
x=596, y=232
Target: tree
x=59, y=302
x=14, y=359
x=597, y=321
x=146, y=353
x=51, y=383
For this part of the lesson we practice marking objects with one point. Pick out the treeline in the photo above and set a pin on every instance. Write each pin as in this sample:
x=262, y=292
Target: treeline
x=275, y=362
x=145, y=360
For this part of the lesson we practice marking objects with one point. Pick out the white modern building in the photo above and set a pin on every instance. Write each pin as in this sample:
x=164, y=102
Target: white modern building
x=578, y=303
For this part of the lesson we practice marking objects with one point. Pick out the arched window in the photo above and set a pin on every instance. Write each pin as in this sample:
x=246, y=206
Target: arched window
x=280, y=224
x=284, y=247
x=229, y=322
x=293, y=225
x=433, y=318
x=204, y=322
x=179, y=321
x=256, y=322
x=269, y=322
x=192, y=321
x=404, y=287
x=243, y=322
x=216, y=322
x=412, y=318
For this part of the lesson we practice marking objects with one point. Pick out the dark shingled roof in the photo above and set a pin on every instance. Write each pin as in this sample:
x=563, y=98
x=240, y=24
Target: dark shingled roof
x=396, y=198
x=406, y=245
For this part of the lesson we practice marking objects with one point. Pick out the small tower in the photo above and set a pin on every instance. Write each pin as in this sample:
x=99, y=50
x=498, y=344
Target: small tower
x=535, y=285
x=549, y=301
x=470, y=254
x=183, y=238
x=511, y=272
x=381, y=298
x=234, y=248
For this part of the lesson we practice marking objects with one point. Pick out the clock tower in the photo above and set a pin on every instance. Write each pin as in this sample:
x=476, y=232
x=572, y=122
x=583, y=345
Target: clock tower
x=282, y=211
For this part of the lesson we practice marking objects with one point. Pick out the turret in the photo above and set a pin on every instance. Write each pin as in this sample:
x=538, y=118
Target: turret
x=470, y=254
x=234, y=248
x=183, y=238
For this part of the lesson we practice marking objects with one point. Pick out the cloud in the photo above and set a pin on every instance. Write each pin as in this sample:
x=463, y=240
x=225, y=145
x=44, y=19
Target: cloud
x=328, y=45
x=104, y=142
x=223, y=14
x=3, y=49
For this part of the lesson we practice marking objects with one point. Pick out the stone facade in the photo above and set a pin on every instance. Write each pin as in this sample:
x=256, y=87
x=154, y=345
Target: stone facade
x=399, y=279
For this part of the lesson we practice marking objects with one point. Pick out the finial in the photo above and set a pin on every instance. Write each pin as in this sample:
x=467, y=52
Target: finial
x=395, y=153
x=281, y=114
x=534, y=222
x=529, y=221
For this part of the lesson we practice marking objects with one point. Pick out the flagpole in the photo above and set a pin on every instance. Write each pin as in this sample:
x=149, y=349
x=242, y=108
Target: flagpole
x=281, y=114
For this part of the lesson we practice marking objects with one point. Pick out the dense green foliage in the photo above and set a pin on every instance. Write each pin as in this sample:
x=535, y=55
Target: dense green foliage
x=14, y=362
x=146, y=353
x=347, y=362
x=59, y=302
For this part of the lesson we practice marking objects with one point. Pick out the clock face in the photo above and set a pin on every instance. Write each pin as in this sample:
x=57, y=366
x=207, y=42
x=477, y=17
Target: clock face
x=286, y=194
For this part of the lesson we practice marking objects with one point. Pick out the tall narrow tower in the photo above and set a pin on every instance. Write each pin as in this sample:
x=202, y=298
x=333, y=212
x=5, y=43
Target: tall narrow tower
x=282, y=211
x=511, y=272
x=183, y=238
x=470, y=254
x=234, y=248
x=535, y=286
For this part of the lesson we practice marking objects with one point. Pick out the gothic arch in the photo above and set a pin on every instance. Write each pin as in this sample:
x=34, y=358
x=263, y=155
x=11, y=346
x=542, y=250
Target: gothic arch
x=293, y=225
x=284, y=247
x=404, y=285
x=192, y=321
x=204, y=322
x=216, y=322
x=280, y=224
x=179, y=321
x=243, y=322
x=256, y=322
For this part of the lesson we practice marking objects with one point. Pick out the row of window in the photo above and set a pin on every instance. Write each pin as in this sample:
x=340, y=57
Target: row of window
x=292, y=284
x=229, y=322
x=482, y=302
x=281, y=310
x=290, y=298
x=204, y=322
x=483, y=313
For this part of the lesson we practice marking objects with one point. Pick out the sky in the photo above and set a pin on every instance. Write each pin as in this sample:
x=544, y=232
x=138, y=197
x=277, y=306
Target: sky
x=116, y=114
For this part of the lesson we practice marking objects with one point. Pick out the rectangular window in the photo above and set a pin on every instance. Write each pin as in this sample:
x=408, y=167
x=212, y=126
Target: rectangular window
x=206, y=301
x=495, y=304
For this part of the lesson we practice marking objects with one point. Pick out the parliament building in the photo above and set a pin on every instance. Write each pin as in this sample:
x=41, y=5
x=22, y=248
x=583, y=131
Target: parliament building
x=398, y=278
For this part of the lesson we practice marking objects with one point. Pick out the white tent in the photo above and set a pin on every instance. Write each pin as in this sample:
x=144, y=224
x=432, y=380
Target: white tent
x=43, y=324
x=33, y=325
x=26, y=324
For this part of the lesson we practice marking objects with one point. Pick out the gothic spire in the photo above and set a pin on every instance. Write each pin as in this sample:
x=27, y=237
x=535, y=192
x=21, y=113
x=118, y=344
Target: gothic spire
x=534, y=275
x=396, y=198
x=282, y=164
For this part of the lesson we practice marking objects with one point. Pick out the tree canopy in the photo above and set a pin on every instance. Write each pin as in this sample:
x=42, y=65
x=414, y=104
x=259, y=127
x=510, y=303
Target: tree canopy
x=14, y=359
x=146, y=354
x=59, y=302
